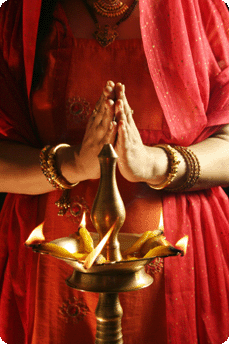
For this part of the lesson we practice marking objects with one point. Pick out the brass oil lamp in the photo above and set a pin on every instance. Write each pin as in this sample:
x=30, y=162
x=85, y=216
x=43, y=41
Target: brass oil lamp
x=116, y=275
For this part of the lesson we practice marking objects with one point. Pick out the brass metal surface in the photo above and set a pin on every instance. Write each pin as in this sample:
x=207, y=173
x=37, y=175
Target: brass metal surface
x=126, y=240
x=108, y=207
x=110, y=282
x=108, y=314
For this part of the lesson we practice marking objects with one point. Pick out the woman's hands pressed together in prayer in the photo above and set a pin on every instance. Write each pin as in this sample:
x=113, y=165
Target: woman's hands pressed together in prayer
x=134, y=159
x=112, y=122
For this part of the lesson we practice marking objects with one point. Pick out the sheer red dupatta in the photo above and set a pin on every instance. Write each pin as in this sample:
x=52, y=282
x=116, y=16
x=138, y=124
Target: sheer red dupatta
x=186, y=44
x=187, y=48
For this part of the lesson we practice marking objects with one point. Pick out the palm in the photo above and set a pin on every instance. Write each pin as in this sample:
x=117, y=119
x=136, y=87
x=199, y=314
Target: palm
x=133, y=161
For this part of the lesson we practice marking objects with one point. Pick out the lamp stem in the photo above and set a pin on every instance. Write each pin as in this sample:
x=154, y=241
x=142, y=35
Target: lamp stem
x=108, y=314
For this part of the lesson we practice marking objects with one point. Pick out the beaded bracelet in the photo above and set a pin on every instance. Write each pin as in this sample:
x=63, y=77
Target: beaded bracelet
x=173, y=167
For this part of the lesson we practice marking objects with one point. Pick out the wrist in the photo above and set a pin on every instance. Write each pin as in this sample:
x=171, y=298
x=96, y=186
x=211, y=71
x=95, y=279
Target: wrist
x=191, y=174
x=158, y=167
x=183, y=169
x=66, y=158
x=169, y=167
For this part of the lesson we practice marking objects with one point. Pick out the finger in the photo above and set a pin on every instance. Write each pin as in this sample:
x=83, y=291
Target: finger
x=119, y=88
x=102, y=104
x=100, y=101
x=122, y=138
x=109, y=90
x=119, y=111
x=99, y=114
x=108, y=114
x=121, y=116
x=92, y=119
x=120, y=93
x=100, y=123
x=111, y=83
x=111, y=133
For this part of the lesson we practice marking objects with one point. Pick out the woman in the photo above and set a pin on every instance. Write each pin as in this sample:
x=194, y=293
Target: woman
x=173, y=58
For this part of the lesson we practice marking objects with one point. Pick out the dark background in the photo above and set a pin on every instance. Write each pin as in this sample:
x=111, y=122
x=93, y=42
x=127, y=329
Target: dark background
x=2, y=197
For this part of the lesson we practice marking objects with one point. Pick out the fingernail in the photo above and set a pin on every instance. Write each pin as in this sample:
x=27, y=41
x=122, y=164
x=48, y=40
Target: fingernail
x=110, y=83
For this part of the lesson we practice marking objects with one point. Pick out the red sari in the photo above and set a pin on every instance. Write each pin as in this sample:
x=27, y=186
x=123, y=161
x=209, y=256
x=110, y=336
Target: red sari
x=196, y=73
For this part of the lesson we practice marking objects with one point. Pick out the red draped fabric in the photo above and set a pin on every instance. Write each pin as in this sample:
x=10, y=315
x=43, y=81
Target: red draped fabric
x=186, y=44
x=187, y=50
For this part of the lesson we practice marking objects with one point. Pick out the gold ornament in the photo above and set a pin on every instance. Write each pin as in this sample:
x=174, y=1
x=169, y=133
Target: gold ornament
x=110, y=8
x=105, y=35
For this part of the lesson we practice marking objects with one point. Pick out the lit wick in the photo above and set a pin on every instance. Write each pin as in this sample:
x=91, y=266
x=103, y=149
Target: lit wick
x=182, y=244
x=36, y=236
x=83, y=221
x=85, y=239
x=161, y=222
x=98, y=249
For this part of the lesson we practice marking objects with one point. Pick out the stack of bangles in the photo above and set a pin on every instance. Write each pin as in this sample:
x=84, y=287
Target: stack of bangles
x=54, y=177
x=49, y=168
x=192, y=164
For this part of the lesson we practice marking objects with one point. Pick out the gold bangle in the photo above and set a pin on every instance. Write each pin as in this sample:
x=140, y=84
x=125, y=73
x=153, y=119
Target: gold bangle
x=193, y=169
x=55, y=176
x=173, y=167
x=44, y=166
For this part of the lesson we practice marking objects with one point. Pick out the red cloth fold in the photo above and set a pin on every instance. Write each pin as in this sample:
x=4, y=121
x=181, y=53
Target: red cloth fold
x=186, y=44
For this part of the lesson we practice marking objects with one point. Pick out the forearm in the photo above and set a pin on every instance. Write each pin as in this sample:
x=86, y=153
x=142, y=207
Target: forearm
x=20, y=170
x=213, y=156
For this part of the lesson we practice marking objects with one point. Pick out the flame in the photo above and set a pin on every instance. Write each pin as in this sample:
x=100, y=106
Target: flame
x=83, y=221
x=182, y=244
x=36, y=236
x=70, y=247
x=161, y=222
x=97, y=250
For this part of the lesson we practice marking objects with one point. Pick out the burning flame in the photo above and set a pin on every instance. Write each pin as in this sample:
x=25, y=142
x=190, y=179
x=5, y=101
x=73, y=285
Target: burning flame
x=36, y=236
x=161, y=222
x=83, y=221
x=98, y=249
x=182, y=244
